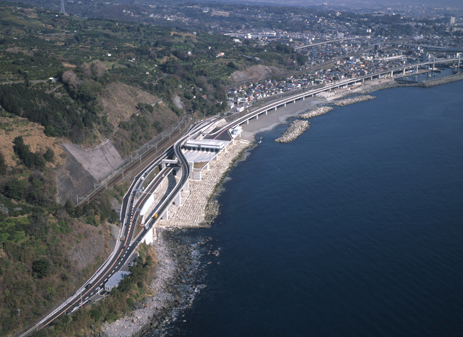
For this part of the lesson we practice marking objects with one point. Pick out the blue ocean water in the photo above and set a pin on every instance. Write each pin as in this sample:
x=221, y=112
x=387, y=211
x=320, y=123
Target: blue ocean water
x=354, y=229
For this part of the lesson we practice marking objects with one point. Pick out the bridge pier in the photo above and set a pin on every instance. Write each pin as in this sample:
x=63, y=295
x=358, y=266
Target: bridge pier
x=178, y=199
x=150, y=236
x=285, y=105
x=257, y=117
x=191, y=167
x=266, y=112
x=247, y=121
x=165, y=215
x=186, y=186
x=403, y=72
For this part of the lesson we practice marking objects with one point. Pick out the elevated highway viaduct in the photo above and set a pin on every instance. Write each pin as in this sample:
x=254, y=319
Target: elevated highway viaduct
x=338, y=84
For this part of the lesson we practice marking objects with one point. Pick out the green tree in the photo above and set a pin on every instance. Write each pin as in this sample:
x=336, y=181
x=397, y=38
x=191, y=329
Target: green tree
x=69, y=207
x=232, y=65
x=41, y=267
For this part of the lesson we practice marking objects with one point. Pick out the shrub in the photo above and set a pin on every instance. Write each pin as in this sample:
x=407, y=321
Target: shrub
x=15, y=188
x=95, y=314
x=49, y=155
x=3, y=166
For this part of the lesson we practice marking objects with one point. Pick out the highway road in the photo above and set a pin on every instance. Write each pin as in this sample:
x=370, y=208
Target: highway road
x=130, y=212
x=132, y=206
x=123, y=250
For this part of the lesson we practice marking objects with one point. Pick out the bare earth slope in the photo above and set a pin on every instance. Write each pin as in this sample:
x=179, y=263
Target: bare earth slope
x=257, y=73
x=119, y=101
x=33, y=135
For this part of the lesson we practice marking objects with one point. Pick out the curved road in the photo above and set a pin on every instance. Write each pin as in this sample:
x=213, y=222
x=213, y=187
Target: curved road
x=130, y=213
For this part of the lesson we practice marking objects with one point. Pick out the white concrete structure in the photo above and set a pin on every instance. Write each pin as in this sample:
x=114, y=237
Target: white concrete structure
x=204, y=145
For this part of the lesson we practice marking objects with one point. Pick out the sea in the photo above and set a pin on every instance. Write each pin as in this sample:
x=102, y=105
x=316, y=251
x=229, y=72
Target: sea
x=353, y=229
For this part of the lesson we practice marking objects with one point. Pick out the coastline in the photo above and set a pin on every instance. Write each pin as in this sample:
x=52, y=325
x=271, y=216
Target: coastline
x=179, y=271
x=178, y=264
x=283, y=115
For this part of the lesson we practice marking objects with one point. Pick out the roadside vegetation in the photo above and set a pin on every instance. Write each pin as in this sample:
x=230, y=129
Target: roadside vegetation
x=37, y=236
x=122, y=299
x=65, y=78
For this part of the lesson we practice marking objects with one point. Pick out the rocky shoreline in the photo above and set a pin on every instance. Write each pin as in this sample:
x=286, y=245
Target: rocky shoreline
x=353, y=100
x=296, y=129
x=179, y=272
x=174, y=288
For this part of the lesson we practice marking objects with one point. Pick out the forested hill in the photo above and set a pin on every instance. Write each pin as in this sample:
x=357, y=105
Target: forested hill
x=72, y=79
x=86, y=55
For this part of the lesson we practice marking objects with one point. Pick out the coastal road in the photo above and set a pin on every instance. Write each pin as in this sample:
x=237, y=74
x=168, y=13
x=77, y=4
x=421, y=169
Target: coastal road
x=313, y=92
x=130, y=213
x=123, y=250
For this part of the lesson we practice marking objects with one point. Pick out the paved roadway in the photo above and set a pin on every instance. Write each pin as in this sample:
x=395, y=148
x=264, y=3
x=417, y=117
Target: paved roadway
x=130, y=212
x=125, y=247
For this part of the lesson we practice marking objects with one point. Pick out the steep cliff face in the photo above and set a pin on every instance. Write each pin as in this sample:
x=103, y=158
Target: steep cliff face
x=91, y=247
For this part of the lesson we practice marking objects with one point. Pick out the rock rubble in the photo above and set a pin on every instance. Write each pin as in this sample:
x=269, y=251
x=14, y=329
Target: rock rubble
x=353, y=100
x=317, y=112
x=296, y=129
